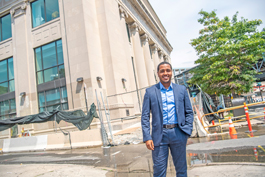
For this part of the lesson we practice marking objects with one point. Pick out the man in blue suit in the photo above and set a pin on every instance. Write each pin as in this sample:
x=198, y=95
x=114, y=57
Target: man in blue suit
x=172, y=121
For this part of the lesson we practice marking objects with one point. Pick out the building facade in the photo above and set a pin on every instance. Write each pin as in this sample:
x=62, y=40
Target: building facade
x=57, y=53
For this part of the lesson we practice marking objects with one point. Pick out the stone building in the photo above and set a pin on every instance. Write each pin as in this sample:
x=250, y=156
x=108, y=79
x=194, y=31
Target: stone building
x=51, y=49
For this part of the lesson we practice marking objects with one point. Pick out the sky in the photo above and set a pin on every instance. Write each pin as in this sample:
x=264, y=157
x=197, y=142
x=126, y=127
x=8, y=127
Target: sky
x=180, y=18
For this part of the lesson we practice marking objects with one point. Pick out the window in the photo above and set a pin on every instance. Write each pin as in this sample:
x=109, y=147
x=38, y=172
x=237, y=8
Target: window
x=52, y=99
x=7, y=83
x=44, y=11
x=128, y=32
x=5, y=27
x=150, y=52
x=7, y=109
x=49, y=62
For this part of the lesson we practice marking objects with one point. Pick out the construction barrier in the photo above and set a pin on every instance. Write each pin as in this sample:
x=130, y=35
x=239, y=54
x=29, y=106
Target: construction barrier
x=243, y=118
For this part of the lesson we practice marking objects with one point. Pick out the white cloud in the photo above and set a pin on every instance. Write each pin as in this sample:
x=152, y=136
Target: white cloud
x=179, y=17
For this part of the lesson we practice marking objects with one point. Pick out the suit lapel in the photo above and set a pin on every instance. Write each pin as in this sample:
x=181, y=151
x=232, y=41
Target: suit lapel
x=176, y=91
x=159, y=97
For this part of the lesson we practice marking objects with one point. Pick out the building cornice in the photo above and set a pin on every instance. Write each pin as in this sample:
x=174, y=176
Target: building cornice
x=154, y=47
x=139, y=6
x=123, y=12
x=144, y=38
x=135, y=26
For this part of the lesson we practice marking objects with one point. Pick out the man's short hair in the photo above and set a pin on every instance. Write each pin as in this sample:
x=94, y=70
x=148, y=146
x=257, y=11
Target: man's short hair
x=162, y=63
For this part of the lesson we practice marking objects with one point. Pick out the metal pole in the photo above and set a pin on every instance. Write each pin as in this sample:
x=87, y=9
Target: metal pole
x=107, y=117
x=101, y=121
x=86, y=104
x=260, y=94
x=137, y=90
x=55, y=123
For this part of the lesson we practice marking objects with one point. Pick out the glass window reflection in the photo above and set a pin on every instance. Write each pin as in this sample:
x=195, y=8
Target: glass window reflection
x=52, y=9
x=38, y=14
x=3, y=71
x=49, y=62
x=50, y=74
x=53, y=99
x=44, y=11
x=49, y=55
x=10, y=69
x=7, y=109
x=38, y=59
x=3, y=88
x=6, y=27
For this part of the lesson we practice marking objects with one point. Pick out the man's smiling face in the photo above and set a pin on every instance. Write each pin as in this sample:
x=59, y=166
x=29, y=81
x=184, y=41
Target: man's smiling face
x=165, y=73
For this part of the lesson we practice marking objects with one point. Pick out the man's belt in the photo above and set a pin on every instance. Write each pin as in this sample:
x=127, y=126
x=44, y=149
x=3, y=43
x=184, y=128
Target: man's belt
x=169, y=126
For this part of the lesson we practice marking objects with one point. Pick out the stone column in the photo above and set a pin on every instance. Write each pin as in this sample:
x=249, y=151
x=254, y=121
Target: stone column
x=148, y=60
x=166, y=58
x=130, y=84
x=154, y=49
x=139, y=58
x=161, y=56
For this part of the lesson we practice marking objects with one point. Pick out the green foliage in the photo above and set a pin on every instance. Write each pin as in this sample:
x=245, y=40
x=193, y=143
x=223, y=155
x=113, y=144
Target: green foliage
x=227, y=50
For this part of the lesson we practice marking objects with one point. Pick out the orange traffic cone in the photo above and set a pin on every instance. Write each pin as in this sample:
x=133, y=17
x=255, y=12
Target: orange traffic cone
x=232, y=130
x=256, y=153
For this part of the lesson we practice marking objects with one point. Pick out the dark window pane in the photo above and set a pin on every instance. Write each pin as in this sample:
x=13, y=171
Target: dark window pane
x=10, y=69
x=128, y=32
x=64, y=94
x=53, y=97
x=60, y=52
x=3, y=88
x=3, y=70
x=38, y=17
x=61, y=71
x=65, y=106
x=40, y=77
x=14, y=129
x=38, y=59
x=4, y=107
x=6, y=27
x=50, y=74
x=49, y=55
x=0, y=34
x=42, y=109
x=51, y=108
x=12, y=106
x=52, y=9
x=11, y=86
x=41, y=99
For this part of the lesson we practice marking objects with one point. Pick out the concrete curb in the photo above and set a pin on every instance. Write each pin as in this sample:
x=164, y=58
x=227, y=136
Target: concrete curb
x=228, y=163
x=55, y=141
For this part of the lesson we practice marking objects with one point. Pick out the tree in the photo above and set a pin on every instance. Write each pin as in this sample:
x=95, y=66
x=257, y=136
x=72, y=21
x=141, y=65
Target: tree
x=227, y=50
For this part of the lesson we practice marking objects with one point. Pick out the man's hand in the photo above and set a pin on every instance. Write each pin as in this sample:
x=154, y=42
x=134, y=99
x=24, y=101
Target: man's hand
x=149, y=144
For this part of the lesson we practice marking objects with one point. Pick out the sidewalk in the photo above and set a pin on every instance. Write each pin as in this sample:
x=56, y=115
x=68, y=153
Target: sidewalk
x=58, y=170
x=229, y=170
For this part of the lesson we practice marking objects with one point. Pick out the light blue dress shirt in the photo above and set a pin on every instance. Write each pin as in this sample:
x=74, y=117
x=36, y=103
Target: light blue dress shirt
x=168, y=102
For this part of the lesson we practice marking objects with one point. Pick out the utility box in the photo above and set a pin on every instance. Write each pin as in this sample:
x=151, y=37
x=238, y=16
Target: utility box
x=238, y=102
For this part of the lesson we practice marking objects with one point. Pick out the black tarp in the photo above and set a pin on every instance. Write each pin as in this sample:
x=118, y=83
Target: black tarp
x=78, y=118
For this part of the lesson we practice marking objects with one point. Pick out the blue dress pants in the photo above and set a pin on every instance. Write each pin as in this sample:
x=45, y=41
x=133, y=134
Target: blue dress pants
x=175, y=140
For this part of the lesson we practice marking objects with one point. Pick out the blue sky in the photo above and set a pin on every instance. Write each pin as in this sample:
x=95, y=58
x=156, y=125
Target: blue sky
x=179, y=17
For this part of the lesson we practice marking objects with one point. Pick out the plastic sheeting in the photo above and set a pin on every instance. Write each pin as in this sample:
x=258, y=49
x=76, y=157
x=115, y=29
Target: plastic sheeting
x=78, y=118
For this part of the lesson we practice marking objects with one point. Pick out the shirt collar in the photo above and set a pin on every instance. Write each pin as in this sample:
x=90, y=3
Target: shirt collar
x=163, y=88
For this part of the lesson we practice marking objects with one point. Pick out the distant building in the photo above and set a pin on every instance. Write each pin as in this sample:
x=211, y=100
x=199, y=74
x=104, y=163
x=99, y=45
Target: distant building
x=51, y=49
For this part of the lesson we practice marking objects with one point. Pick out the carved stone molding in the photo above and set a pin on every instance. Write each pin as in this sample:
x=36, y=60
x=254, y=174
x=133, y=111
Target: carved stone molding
x=123, y=12
x=144, y=38
x=135, y=26
x=161, y=54
x=154, y=47
x=19, y=9
x=165, y=58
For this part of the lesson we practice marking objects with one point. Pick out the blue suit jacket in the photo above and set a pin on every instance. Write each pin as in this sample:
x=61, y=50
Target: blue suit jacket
x=153, y=104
